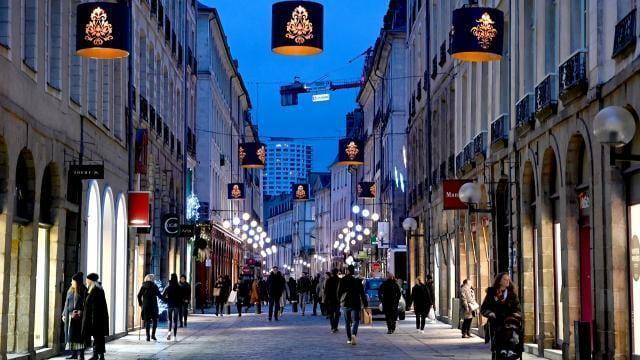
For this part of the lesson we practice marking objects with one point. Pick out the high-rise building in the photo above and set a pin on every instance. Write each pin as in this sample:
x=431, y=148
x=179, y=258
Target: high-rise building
x=288, y=162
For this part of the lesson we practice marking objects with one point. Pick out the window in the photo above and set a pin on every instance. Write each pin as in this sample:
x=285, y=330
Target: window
x=29, y=35
x=118, y=107
x=54, y=43
x=75, y=62
x=5, y=23
x=92, y=87
x=106, y=92
x=578, y=24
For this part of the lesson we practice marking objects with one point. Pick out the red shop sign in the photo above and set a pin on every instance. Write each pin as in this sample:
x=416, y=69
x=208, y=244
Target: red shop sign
x=138, y=208
x=450, y=190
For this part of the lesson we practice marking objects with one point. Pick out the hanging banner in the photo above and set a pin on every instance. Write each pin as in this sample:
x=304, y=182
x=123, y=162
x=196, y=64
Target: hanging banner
x=235, y=191
x=142, y=144
x=450, y=189
x=139, y=208
x=366, y=190
x=300, y=192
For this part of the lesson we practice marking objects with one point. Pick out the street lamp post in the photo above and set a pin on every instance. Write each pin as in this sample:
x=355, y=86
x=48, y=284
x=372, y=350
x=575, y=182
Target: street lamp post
x=409, y=225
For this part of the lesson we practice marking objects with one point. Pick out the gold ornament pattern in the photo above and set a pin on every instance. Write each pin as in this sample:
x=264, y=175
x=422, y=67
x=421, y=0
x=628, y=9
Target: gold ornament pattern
x=485, y=32
x=98, y=30
x=300, y=193
x=352, y=150
x=241, y=153
x=262, y=154
x=235, y=192
x=299, y=28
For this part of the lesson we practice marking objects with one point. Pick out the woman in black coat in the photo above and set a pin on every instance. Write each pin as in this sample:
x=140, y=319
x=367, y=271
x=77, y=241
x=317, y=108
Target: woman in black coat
x=421, y=303
x=242, y=298
x=148, y=300
x=72, y=316
x=501, y=305
x=95, y=317
x=172, y=295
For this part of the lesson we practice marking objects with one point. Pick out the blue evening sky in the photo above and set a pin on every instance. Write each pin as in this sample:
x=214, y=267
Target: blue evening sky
x=350, y=27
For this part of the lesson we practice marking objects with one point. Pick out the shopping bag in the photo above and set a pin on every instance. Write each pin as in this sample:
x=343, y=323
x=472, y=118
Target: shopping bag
x=432, y=315
x=366, y=317
x=233, y=296
x=216, y=292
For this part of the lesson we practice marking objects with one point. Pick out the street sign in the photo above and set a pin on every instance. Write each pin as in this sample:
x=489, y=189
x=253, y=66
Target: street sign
x=171, y=224
x=84, y=172
x=374, y=239
x=187, y=230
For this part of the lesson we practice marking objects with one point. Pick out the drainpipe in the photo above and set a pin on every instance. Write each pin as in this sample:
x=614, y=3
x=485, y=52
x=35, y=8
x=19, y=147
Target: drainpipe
x=427, y=83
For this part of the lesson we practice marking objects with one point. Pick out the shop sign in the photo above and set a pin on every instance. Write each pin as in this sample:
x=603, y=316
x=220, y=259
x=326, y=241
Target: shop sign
x=187, y=230
x=171, y=224
x=85, y=172
x=635, y=258
x=450, y=189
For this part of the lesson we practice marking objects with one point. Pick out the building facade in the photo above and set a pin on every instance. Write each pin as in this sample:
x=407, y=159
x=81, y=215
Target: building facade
x=288, y=162
x=323, y=240
x=279, y=219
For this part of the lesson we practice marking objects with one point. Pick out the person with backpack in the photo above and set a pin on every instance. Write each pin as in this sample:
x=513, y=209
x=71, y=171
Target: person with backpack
x=352, y=300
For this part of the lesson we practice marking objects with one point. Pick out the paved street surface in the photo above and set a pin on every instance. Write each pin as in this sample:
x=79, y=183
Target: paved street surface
x=296, y=337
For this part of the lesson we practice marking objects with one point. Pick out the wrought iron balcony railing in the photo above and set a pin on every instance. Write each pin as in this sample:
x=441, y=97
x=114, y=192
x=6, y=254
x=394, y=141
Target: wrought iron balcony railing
x=625, y=34
x=443, y=54
x=524, y=114
x=572, y=81
x=480, y=145
x=143, y=108
x=547, y=97
x=459, y=161
x=469, y=160
x=500, y=132
x=159, y=125
x=434, y=178
x=443, y=170
x=419, y=90
x=434, y=67
x=152, y=117
x=165, y=134
x=451, y=162
x=167, y=29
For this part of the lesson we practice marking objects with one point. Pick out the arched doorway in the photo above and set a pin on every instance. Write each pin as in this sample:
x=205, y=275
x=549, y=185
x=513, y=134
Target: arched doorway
x=551, y=253
x=120, y=314
x=22, y=249
x=93, y=221
x=46, y=221
x=529, y=246
x=108, y=245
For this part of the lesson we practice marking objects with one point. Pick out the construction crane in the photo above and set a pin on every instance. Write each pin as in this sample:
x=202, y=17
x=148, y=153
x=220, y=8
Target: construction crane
x=289, y=93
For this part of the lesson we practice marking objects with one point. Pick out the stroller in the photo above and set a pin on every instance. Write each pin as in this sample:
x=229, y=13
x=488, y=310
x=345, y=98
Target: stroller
x=507, y=339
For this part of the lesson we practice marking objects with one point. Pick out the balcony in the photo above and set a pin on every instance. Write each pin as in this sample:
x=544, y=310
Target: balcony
x=573, y=80
x=174, y=43
x=159, y=125
x=425, y=79
x=160, y=14
x=500, y=132
x=412, y=105
x=179, y=150
x=480, y=145
x=419, y=90
x=443, y=54
x=469, y=159
x=459, y=162
x=165, y=134
x=524, y=114
x=152, y=117
x=434, y=178
x=434, y=67
x=547, y=97
x=451, y=168
x=172, y=142
x=443, y=170
x=144, y=105
x=167, y=29
x=625, y=35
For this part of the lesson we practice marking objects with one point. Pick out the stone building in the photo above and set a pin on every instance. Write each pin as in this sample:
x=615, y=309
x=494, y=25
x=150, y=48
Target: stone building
x=563, y=219
x=58, y=109
x=323, y=241
x=383, y=101
x=278, y=215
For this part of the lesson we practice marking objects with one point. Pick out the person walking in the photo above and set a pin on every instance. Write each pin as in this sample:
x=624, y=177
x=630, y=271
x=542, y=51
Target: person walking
x=242, y=290
x=432, y=296
x=255, y=295
x=275, y=288
x=352, y=300
x=148, y=300
x=72, y=316
x=502, y=307
x=292, y=293
x=264, y=293
x=95, y=317
x=420, y=299
x=389, y=295
x=186, y=300
x=219, y=297
x=304, y=291
x=199, y=290
x=468, y=308
x=331, y=300
x=315, y=297
x=173, y=297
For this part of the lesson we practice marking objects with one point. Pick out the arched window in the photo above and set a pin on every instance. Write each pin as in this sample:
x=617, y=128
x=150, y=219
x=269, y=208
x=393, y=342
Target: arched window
x=121, y=266
x=75, y=61
x=93, y=239
x=108, y=245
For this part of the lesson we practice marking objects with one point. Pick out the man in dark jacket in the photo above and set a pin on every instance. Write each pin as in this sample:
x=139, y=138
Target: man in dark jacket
x=331, y=301
x=186, y=299
x=304, y=291
x=95, y=318
x=389, y=295
x=275, y=287
x=352, y=299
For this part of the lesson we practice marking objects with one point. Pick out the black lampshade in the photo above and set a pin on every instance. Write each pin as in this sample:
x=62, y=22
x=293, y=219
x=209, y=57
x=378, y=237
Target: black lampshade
x=300, y=192
x=478, y=34
x=350, y=152
x=367, y=190
x=297, y=28
x=252, y=155
x=102, y=30
x=235, y=191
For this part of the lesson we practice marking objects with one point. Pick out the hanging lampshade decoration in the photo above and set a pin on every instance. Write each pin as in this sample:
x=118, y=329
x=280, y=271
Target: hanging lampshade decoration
x=300, y=192
x=477, y=34
x=102, y=30
x=252, y=155
x=138, y=209
x=235, y=191
x=350, y=152
x=366, y=190
x=297, y=28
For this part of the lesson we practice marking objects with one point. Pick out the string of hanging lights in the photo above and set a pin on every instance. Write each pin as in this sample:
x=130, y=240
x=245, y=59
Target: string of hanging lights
x=251, y=232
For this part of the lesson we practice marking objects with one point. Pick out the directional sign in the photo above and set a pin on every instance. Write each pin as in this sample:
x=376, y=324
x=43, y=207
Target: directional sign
x=171, y=224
